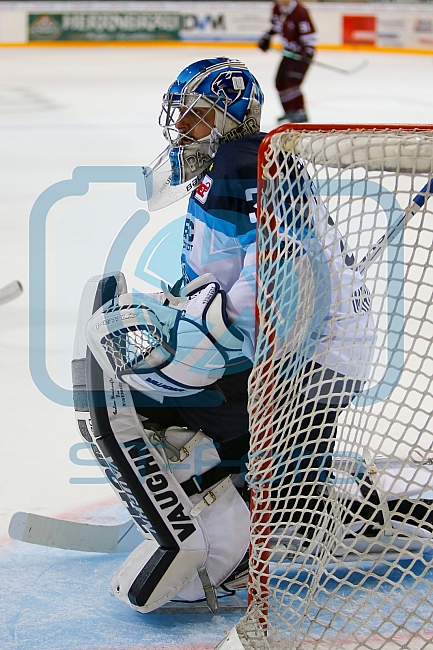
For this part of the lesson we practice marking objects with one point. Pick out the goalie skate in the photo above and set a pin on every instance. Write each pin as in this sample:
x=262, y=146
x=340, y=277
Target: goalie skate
x=238, y=579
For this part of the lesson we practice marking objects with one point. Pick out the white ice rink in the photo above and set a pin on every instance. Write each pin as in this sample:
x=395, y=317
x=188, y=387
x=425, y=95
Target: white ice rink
x=72, y=106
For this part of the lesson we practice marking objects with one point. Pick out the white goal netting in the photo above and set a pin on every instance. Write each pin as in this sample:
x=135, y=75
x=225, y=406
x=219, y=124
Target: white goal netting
x=341, y=395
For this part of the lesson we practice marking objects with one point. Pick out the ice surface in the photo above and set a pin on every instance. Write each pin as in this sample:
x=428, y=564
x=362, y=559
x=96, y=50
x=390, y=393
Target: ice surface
x=76, y=106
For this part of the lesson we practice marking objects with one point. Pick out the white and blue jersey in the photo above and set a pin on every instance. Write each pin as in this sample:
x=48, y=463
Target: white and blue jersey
x=220, y=230
x=220, y=238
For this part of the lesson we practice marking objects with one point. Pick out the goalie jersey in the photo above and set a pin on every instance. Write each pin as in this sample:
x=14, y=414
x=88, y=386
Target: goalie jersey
x=220, y=238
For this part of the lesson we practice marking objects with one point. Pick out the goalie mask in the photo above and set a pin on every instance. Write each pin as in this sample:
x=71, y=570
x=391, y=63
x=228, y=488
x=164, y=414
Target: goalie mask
x=211, y=102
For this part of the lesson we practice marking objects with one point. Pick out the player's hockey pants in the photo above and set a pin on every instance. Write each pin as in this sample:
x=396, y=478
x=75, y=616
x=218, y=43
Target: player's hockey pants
x=290, y=76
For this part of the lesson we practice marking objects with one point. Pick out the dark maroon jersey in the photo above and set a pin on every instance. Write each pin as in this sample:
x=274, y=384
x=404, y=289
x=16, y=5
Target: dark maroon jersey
x=295, y=28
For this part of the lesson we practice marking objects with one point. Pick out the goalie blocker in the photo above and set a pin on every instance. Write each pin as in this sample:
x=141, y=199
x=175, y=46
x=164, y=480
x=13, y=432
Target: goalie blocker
x=160, y=476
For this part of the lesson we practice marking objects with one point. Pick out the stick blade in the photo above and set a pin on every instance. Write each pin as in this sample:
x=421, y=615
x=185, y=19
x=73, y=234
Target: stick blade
x=10, y=292
x=17, y=525
x=73, y=535
x=359, y=67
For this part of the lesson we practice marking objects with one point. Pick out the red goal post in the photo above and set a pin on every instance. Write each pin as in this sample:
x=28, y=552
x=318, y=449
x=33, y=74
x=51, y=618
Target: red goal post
x=352, y=516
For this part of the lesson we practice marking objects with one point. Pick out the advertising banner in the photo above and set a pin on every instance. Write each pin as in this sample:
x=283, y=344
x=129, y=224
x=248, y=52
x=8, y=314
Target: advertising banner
x=422, y=32
x=359, y=30
x=187, y=21
x=391, y=31
x=394, y=29
x=111, y=26
x=394, y=26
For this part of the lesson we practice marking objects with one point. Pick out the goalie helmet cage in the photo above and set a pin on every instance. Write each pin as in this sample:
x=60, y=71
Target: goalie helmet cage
x=341, y=532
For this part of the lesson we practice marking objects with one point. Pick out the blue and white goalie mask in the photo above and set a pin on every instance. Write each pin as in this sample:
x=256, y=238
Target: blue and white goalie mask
x=211, y=102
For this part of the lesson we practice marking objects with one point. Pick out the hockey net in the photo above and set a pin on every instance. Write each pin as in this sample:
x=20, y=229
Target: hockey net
x=341, y=397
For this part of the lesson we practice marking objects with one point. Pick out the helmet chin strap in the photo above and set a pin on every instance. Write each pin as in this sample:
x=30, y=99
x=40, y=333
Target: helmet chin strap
x=223, y=122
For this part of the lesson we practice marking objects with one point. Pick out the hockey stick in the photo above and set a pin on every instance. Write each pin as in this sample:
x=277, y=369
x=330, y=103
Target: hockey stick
x=10, y=291
x=298, y=57
x=404, y=217
x=73, y=535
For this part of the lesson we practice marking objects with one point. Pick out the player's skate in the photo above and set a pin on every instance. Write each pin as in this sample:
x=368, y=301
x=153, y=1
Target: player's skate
x=297, y=117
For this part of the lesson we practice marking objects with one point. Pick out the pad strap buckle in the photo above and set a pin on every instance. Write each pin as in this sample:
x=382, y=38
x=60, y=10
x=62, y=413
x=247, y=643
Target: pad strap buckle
x=210, y=497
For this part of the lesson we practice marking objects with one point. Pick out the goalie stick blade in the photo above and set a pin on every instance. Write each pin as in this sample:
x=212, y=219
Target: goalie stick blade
x=10, y=292
x=74, y=535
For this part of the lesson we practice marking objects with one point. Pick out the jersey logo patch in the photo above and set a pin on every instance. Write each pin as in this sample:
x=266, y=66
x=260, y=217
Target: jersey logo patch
x=203, y=189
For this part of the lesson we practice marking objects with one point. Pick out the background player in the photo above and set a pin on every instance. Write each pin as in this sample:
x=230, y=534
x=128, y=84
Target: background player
x=292, y=22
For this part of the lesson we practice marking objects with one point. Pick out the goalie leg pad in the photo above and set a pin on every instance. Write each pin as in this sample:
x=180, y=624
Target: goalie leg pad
x=218, y=509
x=148, y=482
x=108, y=420
x=152, y=575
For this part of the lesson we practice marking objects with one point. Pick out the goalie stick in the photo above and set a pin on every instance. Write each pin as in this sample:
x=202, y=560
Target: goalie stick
x=416, y=205
x=74, y=535
x=297, y=57
x=98, y=538
x=107, y=538
x=10, y=292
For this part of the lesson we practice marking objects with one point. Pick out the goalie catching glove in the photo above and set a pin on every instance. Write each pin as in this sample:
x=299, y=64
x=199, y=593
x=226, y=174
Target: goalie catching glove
x=165, y=345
